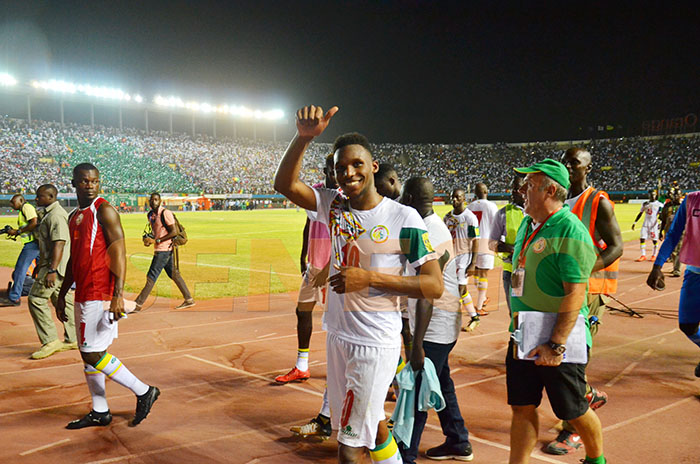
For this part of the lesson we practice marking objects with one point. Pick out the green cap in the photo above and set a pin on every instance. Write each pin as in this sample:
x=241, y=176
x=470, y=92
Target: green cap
x=550, y=168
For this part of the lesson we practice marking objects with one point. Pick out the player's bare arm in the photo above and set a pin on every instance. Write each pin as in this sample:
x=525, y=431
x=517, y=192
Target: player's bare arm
x=609, y=230
x=427, y=284
x=304, y=246
x=108, y=218
x=424, y=311
x=311, y=122
x=63, y=291
x=574, y=294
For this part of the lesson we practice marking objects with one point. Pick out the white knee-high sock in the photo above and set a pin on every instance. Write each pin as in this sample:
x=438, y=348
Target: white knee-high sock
x=482, y=285
x=113, y=368
x=96, y=384
x=325, y=407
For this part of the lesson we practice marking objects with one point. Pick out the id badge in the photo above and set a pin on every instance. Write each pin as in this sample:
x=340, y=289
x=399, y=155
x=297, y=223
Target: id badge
x=517, y=281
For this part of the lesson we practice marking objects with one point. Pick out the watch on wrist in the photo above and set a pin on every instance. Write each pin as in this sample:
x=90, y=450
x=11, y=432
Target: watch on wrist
x=52, y=271
x=157, y=241
x=558, y=348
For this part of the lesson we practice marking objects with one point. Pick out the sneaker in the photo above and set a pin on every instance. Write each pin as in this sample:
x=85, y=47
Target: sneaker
x=482, y=312
x=596, y=398
x=8, y=302
x=640, y=259
x=446, y=451
x=185, y=304
x=473, y=324
x=144, y=403
x=295, y=375
x=319, y=426
x=697, y=370
x=565, y=443
x=653, y=257
x=48, y=349
x=676, y=273
x=92, y=419
x=67, y=346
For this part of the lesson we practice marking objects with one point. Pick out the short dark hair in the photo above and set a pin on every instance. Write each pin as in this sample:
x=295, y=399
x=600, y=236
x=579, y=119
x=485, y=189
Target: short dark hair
x=384, y=172
x=84, y=167
x=155, y=193
x=352, y=138
x=50, y=187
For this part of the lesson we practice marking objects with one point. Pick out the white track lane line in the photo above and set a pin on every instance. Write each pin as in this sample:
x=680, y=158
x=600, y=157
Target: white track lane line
x=41, y=448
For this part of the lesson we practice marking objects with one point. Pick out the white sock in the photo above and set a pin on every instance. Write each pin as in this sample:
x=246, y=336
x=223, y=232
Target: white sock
x=654, y=253
x=303, y=359
x=643, y=247
x=96, y=384
x=468, y=304
x=325, y=407
x=482, y=285
x=113, y=368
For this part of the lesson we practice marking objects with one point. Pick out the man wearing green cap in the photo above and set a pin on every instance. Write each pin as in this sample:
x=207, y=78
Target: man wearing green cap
x=552, y=260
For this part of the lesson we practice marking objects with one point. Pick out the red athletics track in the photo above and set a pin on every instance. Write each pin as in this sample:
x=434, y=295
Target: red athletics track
x=214, y=367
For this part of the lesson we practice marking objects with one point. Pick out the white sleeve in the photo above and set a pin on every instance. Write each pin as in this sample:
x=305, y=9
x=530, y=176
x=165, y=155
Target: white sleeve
x=324, y=198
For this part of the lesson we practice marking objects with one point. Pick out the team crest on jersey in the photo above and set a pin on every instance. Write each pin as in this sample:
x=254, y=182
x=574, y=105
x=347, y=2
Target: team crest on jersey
x=79, y=219
x=379, y=234
x=539, y=245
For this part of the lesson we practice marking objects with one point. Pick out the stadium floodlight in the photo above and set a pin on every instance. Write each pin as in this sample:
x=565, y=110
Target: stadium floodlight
x=7, y=80
x=55, y=85
x=138, y=98
x=273, y=115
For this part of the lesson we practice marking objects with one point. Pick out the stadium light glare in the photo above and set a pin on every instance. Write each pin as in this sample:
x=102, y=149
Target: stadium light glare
x=7, y=80
x=138, y=98
x=84, y=89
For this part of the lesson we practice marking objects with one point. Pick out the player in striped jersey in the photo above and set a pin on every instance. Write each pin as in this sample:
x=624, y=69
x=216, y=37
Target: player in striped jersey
x=98, y=267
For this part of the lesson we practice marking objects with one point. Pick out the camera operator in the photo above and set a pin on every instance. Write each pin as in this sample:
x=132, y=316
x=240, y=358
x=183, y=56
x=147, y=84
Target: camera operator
x=27, y=220
x=162, y=222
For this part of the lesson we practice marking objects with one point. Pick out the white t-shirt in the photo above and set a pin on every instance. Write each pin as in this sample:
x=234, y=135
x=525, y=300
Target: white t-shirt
x=446, y=322
x=651, y=211
x=463, y=227
x=381, y=239
x=485, y=212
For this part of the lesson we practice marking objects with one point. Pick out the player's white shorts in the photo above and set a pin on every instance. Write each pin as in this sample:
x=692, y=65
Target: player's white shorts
x=95, y=329
x=308, y=293
x=484, y=260
x=358, y=378
x=649, y=232
x=462, y=262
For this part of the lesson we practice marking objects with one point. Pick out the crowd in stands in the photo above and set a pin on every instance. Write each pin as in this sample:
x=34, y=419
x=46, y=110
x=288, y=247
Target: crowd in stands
x=132, y=161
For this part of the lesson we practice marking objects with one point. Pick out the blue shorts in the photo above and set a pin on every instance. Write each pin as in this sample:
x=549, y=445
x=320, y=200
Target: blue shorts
x=689, y=304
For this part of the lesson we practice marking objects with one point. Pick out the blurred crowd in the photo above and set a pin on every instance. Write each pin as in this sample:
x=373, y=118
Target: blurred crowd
x=132, y=161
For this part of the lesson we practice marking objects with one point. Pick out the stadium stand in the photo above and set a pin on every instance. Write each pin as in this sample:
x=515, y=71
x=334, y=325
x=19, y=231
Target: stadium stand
x=133, y=161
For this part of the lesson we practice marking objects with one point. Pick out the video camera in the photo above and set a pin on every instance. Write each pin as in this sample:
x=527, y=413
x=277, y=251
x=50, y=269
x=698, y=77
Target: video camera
x=6, y=230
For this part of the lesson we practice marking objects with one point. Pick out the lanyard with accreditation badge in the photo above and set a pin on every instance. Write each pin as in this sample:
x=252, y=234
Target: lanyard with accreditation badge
x=518, y=276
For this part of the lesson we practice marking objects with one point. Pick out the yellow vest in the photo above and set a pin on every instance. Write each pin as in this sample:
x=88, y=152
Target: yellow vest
x=23, y=221
x=514, y=216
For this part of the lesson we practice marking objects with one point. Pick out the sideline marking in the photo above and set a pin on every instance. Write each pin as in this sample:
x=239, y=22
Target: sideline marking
x=616, y=347
x=250, y=374
x=188, y=445
x=628, y=369
x=221, y=266
x=268, y=335
x=648, y=414
x=176, y=327
x=476, y=382
x=164, y=353
x=486, y=356
x=41, y=448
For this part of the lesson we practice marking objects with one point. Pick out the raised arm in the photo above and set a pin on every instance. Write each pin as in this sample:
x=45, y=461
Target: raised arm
x=116, y=252
x=311, y=122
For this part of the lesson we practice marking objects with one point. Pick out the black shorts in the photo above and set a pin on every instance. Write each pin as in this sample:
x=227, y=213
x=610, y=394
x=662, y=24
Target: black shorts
x=565, y=385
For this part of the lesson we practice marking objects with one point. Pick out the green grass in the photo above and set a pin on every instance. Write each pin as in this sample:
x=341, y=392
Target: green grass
x=235, y=253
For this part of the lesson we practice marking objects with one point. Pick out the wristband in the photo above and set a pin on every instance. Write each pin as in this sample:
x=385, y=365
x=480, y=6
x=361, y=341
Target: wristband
x=52, y=271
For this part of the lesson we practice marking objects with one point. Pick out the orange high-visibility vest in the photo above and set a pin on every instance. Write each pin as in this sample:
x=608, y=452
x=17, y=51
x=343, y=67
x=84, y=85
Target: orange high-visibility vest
x=603, y=281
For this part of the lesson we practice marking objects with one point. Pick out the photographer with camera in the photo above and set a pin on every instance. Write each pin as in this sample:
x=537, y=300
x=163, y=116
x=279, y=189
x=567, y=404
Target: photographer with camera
x=27, y=221
x=164, y=229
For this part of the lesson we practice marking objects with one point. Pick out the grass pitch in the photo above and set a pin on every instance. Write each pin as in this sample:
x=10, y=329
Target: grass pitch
x=235, y=253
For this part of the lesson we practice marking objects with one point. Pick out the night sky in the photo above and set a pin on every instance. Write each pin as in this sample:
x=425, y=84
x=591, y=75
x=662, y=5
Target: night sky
x=412, y=71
